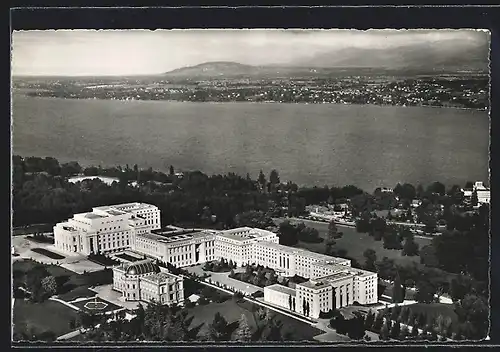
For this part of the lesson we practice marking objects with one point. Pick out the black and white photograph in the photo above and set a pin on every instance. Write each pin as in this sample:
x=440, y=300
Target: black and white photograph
x=253, y=186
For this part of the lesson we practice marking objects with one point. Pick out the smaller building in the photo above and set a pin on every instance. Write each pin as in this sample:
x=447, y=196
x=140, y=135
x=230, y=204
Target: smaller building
x=105, y=179
x=145, y=281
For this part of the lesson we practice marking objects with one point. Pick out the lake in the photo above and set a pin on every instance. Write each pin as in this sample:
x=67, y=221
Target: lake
x=363, y=145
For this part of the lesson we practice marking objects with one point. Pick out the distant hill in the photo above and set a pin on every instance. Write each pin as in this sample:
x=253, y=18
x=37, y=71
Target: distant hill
x=448, y=57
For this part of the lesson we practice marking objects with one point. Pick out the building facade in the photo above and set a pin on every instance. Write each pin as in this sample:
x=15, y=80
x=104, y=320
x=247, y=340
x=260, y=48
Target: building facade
x=145, y=281
x=333, y=283
x=106, y=229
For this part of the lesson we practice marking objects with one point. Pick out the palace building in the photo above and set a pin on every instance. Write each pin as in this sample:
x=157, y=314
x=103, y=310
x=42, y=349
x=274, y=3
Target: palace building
x=106, y=229
x=136, y=227
x=145, y=281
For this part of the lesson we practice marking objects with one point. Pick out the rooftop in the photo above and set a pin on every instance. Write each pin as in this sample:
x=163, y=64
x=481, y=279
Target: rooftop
x=172, y=236
x=141, y=267
x=242, y=233
x=337, y=276
x=160, y=277
x=281, y=288
x=314, y=284
x=126, y=207
x=94, y=216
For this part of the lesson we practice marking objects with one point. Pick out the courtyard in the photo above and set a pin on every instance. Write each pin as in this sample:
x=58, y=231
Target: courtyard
x=224, y=280
x=47, y=253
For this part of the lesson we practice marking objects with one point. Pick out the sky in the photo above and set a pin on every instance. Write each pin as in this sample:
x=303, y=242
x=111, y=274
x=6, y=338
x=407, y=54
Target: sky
x=135, y=52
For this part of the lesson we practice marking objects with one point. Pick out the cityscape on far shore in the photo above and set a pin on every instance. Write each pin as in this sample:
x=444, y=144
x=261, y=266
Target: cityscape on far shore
x=259, y=186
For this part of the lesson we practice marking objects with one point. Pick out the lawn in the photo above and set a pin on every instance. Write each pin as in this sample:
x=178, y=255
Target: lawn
x=434, y=310
x=356, y=243
x=232, y=311
x=70, y=285
x=78, y=292
x=45, y=316
x=47, y=253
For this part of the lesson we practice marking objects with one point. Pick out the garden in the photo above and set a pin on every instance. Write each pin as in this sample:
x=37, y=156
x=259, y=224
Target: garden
x=96, y=305
x=261, y=276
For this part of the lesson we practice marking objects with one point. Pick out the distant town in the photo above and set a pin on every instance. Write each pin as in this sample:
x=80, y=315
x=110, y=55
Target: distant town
x=470, y=91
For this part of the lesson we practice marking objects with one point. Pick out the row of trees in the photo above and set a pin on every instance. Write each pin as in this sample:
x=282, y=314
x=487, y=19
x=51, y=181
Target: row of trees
x=42, y=194
x=256, y=275
x=289, y=234
x=393, y=236
x=171, y=323
x=221, y=265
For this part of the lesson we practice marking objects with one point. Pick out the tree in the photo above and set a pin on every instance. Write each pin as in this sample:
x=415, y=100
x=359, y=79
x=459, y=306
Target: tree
x=379, y=321
x=425, y=292
x=442, y=324
x=414, y=332
x=332, y=229
x=437, y=187
x=274, y=177
x=384, y=332
x=49, y=285
x=273, y=332
x=473, y=312
x=262, y=179
x=397, y=291
x=405, y=332
x=410, y=247
x=243, y=333
x=396, y=330
x=370, y=259
x=369, y=320
x=218, y=329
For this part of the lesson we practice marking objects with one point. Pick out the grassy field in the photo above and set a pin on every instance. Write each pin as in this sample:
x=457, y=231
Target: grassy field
x=232, y=311
x=70, y=284
x=356, y=243
x=46, y=316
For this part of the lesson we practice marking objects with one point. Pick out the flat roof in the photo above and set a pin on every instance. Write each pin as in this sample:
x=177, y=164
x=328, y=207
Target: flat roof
x=159, y=277
x=314, y=284
x=153, y=235
x=281, y=288
x=336, y=276
x=94, y=216
x=242, y=234
x=115, y=212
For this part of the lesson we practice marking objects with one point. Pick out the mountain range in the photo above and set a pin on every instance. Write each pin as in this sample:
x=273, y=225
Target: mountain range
x=450, y=57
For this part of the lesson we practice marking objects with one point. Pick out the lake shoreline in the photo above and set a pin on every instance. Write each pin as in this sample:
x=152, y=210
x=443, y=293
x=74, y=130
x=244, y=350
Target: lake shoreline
x=257, y=102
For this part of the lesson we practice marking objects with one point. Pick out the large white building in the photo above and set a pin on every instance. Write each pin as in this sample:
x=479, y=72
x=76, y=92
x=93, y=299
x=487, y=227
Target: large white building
x=483, y=193
x=333, y=283
x=106, y=229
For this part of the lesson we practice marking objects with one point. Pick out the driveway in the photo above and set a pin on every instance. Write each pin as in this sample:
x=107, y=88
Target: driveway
x=107, y=293
x=75, y=262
